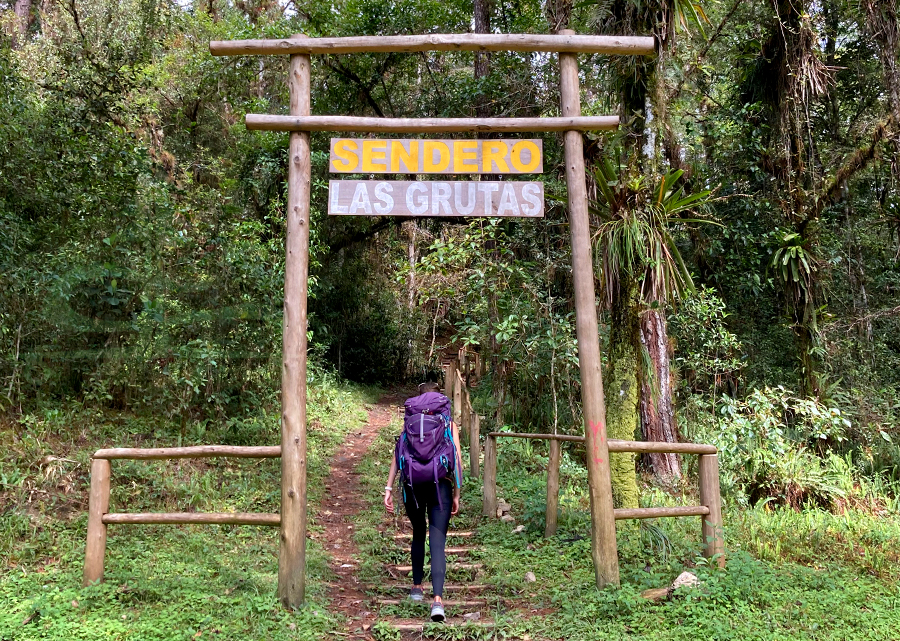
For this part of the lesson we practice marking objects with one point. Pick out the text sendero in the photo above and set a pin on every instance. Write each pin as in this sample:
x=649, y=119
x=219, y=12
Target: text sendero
x=367, y=156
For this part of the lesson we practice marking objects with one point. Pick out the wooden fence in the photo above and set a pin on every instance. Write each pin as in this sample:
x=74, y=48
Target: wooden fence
x=99, y=515
x=457, y=373
x=710, y=508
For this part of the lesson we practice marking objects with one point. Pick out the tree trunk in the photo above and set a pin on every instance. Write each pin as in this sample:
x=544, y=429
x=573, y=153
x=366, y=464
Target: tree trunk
x=622, y=392
x=22, y=9
x=657, y=411
x=482, y=58
x=809, y=377
x=413, y=255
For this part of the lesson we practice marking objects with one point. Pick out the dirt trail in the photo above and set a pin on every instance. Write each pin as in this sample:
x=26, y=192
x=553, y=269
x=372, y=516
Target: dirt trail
x=343, y=500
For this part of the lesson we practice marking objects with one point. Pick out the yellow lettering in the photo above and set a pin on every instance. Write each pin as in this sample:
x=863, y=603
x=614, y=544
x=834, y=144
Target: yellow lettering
x=410, y=158
x=493, y=152
x=431, y=146
x=516, y=156
x=464, y=151
x=374, y=156
x=346, y=151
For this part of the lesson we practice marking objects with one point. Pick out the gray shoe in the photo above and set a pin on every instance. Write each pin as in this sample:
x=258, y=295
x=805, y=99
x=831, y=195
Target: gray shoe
x=437, y=612
x=417, y=594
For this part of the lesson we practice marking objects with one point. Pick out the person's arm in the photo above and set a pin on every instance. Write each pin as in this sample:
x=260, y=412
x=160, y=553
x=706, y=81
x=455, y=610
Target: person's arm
x=455, y=432
x=388, y=489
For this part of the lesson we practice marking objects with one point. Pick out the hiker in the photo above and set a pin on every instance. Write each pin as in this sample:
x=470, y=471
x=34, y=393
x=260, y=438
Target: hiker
x=428, y=460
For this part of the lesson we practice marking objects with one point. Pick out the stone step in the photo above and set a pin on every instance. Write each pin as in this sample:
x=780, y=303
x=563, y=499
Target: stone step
x=450, y=567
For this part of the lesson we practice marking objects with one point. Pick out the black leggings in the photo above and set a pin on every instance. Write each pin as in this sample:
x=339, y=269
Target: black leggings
x=421, y=501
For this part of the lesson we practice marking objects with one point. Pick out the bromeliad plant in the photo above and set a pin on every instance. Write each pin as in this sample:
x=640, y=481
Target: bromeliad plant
x=641, y=269
x=635, y=237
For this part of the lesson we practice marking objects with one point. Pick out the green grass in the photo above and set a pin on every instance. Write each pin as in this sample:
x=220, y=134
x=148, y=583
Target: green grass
x=790, y=575
x=161, y=582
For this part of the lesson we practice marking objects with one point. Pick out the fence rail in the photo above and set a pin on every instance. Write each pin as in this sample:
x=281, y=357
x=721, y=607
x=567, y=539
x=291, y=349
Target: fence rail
x=99, y=515
x=710, y=507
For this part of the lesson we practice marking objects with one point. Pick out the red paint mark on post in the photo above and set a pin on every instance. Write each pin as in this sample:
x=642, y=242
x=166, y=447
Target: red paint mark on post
x=595, y=427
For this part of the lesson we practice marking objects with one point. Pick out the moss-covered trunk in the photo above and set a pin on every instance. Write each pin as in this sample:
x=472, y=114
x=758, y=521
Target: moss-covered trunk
x=622, y=388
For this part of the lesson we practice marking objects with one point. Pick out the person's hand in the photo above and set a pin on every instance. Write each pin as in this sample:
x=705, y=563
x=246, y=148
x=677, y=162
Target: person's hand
x=455, y=509
x=389, y=501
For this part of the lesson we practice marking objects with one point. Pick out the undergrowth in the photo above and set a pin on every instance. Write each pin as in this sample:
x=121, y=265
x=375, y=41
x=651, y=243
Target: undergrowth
x=161, y=582
x=790, y=574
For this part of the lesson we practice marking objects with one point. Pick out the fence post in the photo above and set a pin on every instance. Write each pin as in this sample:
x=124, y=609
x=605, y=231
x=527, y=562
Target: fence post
x=98, y=505
x=552, y=490
x=448, y=381
x=474, y=439
x=458, y=400
x=489, y=500
x=711, y=529
x=465, y=369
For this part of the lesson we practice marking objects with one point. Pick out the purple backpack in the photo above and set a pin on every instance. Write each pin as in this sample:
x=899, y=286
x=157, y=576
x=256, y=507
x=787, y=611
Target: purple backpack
x=425, y=451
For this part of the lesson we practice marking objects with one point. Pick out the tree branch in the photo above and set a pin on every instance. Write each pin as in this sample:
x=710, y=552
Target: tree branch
x=857, y=161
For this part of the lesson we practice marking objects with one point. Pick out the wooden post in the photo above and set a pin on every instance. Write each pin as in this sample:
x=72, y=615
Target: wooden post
x=464, y=418
x=474, y=440
x=603, y=523
x=457, y=399
x=552, y=490
x=292, y=552
x=98, y=505
x=465, y=368
x=489, y=493
x=711, y=528
x=448, y=381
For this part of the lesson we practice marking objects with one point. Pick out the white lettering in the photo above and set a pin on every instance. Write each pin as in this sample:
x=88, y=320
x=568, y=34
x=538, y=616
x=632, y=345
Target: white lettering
x=416, y=208
x=440, y=195
x=335, y=198
x=531, y=195
x=508, y=201
x=465, y=210
x=487, y=188
x=382, y=193
x=361, y=199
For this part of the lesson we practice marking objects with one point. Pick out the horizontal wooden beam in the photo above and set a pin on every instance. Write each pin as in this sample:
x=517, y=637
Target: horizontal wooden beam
x=653, y=446
x=660, y=512
x=621, y=446
x=172, y=518
x=614, y=45
x=449, y=603
x=540, y=437
x=448, y=587
x=196, y=451
x=408, y=535
x=450, y=566
x=266, y=122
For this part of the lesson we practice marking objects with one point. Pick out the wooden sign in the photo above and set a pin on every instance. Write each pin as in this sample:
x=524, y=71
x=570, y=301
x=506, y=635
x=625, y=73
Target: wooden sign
x=435, y=198
x=368, y=156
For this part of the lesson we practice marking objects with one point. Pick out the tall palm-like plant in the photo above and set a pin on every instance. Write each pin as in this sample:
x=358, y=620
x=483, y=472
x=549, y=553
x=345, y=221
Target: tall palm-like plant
x=641, y=270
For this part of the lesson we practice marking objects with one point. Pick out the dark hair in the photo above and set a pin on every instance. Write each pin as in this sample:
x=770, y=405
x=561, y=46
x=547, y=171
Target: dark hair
x=430, y=386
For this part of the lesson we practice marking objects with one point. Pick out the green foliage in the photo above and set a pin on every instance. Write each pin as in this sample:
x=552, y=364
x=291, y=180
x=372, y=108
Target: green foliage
x=776, y=446
x=790, y=574
x=162, y=582
x=708, y=354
